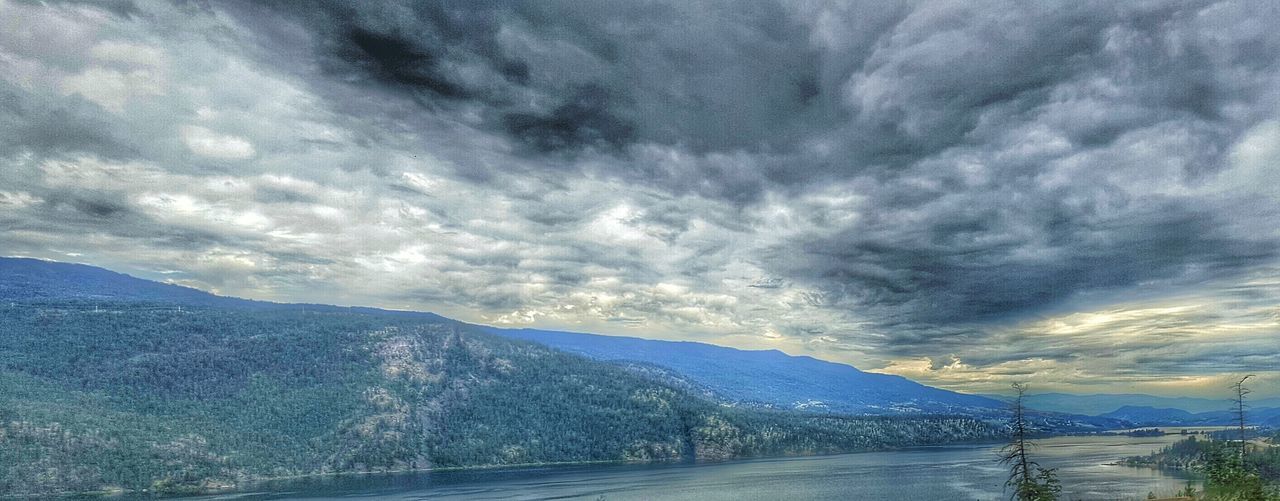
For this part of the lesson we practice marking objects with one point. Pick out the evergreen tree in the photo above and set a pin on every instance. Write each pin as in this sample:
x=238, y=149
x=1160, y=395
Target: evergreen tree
x=1030, y=482
x=1228, y=476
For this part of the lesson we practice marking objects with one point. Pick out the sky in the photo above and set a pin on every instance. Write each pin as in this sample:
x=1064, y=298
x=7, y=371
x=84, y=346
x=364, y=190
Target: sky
x=1080, y=195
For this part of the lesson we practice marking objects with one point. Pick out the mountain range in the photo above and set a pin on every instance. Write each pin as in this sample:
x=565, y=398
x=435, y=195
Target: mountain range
x=770, y=378
x=767, y=379
x=111, y=382
x=1104, y=403
x=1150, y=410
x=1145, y=416
x=750, y=378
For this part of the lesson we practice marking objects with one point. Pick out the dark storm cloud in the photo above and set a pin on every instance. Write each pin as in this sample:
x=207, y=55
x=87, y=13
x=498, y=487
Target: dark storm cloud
x=764, y=97
x=36, y=124
x=583, y=119
x=724, y=77
x=78, y=211
x=564, y=76
x=943, y=271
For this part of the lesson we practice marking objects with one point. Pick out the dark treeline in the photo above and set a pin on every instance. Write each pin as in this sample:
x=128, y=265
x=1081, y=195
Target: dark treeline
x=99, y=396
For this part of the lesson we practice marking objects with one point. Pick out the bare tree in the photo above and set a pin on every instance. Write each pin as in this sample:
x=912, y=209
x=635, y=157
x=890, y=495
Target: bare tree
x=1015, y=452
x=1227, y=473
x=1030, y=482
x=1240, y=390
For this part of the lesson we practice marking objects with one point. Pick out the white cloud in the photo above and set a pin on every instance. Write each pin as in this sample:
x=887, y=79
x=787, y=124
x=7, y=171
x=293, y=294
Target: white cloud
x=1255, y=161
x=121, y=72
x=205, y=142
x=18, y=198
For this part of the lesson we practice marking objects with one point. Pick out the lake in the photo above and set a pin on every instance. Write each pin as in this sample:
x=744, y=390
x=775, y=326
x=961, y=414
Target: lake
x=956, y=472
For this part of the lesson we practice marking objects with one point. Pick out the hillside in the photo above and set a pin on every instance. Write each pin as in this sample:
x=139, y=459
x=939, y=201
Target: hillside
x=772, y=379
x=99, y=391
x=1196, y=454
x=1104, y=403
x=25, y=280
x=769, y=378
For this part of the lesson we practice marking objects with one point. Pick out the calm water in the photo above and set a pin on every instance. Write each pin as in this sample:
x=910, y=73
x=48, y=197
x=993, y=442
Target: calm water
x=943, y=473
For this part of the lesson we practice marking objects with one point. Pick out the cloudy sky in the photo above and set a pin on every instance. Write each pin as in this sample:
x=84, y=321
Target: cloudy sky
x=1082, y=195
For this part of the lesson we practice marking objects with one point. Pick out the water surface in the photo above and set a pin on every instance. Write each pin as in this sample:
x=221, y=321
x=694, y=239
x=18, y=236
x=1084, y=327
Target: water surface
x=959, y=472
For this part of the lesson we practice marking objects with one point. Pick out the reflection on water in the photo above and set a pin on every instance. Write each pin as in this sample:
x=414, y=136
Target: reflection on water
x=951, y=472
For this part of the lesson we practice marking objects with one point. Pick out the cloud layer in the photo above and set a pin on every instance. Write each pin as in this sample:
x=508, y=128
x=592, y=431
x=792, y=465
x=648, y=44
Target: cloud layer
x=1076, y=193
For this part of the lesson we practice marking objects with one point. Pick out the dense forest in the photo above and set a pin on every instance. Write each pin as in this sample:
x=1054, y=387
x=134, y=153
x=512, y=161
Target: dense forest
x=132, y=395
x=1194, y=453
x=1254, y=475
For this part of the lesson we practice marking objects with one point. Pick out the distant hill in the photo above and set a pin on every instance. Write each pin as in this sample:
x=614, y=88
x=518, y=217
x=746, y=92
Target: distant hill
x=34, y=280
x=106, y=384
x=1100, y=404
x=769, y=378
x=26, y=279
x=1151, y=416
x=773, y=379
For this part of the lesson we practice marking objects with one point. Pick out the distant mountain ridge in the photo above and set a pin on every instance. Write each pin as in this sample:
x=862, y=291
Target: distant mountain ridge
x=1151, y=416
x=1154, y=411
x=769, y=377
x=28, y=279
x=1098, y=404
x=36, y=279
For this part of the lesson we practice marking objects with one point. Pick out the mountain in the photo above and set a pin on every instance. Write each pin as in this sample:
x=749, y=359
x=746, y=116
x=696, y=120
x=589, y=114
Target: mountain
x=1103, y=403
x=769, y=378
x=28, y=280
x=772, y=379
x=107, y=384
x=1151, y=416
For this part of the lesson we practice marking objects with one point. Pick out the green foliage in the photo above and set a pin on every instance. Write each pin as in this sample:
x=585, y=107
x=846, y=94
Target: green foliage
x=132, y=396
x=1043, y=485
x=1227, y=475
x=1229, y=478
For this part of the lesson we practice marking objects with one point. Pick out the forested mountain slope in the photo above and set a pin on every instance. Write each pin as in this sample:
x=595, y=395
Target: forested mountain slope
x=773, y=379
x=770, y=377
x=117, y=392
